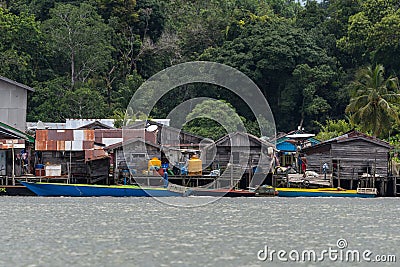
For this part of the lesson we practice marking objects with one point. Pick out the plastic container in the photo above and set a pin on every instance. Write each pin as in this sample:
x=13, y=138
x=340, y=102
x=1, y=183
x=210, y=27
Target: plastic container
x=195, y=166
x=39, y=172
x=154, y=164
x=53, y=170
x=39, y=166
x=165, y=165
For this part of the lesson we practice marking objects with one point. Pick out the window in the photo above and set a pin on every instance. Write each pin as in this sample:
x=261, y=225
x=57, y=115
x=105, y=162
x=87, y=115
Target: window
x=236, y=157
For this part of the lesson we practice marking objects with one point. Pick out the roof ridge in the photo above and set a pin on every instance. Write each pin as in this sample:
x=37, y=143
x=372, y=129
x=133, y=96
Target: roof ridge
x=17, y=83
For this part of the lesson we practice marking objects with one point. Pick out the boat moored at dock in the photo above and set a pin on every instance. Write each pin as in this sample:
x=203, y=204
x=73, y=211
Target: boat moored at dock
x=15, y=190
x=220, y=192
x=327, y=192
x=86, y=190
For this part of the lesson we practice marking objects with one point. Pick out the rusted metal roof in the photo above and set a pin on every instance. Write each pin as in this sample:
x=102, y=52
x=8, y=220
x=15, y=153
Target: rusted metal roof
x=41, y=135
x=52, y=145
x=59, y=135
x=64, y=140
x=88, y=135
x=108, y=133
x=60, y=145
x=95, y=154
x=12, y=143
x=41, y=146
x=88, y=145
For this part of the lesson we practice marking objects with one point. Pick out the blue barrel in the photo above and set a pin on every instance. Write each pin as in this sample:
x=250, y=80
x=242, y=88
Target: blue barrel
x=39, y=166
x=165, y=165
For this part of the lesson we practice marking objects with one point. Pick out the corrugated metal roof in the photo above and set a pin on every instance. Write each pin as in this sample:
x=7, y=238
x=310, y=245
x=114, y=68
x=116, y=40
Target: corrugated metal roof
x=286, y=146
x=351, y=136
x=108, y=133
x=41, y=135
x=40, y=145
x=64, y=140
x=11, y=143
x=87, y=145
x=78, y=123
x=59, y=135
x=113, y=136
x=60, y=145
x=133, y=140
x=52, y=145
x=4, y=79
x=9, y=131
x=95, y=154
x=88, y=135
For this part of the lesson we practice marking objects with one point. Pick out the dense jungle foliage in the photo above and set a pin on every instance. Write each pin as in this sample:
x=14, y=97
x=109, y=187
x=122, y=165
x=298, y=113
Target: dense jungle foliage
x=321, y=64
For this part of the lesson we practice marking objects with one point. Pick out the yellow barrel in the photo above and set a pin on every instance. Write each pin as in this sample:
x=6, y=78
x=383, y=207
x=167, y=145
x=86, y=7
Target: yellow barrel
x=195, y=167
x=154, y=163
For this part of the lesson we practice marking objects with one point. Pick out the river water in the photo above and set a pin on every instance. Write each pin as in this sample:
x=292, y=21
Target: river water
x=37, y=231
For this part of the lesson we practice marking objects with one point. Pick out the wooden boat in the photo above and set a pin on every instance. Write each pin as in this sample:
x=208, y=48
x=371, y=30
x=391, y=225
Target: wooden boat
x=86, y=190
x=326, y=192
x=222, y=192
x=15, y=190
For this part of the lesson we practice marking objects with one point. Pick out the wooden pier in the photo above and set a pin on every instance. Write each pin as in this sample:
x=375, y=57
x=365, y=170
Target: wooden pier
x=388, y=186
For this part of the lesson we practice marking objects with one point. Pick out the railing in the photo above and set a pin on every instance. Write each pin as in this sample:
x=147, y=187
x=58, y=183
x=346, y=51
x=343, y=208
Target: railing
x=370, y=191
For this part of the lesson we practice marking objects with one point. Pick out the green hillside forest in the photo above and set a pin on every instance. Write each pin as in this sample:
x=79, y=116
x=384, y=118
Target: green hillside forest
x=327, y=66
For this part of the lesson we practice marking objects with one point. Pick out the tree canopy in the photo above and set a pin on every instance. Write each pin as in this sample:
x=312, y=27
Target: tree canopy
x=374, y=103
x=86, y=58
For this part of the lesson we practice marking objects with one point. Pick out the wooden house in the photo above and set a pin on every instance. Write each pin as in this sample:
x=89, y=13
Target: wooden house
x=350, y=157
x=132, y=157
x=147, y=139
x=245, y=152
x=289, y=145
x=15, y=153
x=74, y=153
x=168, y=136
x=176, y=146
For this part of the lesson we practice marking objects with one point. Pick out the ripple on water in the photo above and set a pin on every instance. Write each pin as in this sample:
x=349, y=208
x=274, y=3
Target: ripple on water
x=145, y=232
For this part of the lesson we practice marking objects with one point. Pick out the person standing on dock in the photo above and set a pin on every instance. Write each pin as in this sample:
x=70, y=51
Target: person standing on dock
x=325, y=168
x=303, y=164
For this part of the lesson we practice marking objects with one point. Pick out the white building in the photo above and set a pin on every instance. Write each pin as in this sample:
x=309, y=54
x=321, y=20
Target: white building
x=13, y=103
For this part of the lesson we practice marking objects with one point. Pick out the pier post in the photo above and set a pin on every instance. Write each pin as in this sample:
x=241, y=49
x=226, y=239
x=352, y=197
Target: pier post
x=386, y=186
x=338, y=169
x=13, y=165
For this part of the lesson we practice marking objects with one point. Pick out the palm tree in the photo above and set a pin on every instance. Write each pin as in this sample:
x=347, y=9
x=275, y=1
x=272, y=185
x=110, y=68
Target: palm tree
x=375, y=100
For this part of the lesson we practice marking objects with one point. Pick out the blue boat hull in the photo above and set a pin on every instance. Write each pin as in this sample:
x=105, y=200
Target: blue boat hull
x=82, y=190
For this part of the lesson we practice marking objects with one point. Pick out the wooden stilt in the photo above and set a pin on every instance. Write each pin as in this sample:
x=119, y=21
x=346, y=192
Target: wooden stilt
x=13, y=165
